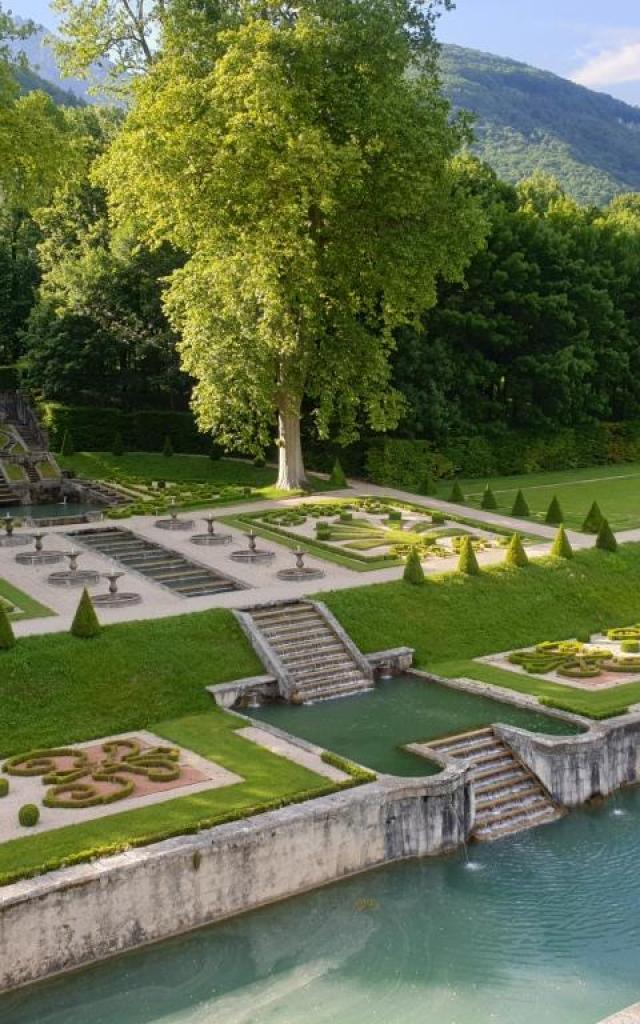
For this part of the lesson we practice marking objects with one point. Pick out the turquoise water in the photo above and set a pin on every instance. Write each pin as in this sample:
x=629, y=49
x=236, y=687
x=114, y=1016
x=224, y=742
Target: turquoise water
x=540, y=929
x=53, y=511
x=372, y=728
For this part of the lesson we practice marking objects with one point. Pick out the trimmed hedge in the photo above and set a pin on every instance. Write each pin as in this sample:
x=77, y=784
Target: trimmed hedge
x=94, y=430
x=516, y=556
x=561, y=547
x=28, y=815
x=9, y=377
x=606, y=539
x=413, y=571
x=85, y=622
x=468, y=563
x=397, y=462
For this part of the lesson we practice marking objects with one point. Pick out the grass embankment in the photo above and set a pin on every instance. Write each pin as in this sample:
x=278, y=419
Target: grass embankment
x=135, y=469
x=615, y=488
x=58, y=689
x=269, y=781
x=27, y=607
x=453, y=619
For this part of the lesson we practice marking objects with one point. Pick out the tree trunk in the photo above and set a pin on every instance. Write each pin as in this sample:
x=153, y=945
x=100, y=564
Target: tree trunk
x=291, y=475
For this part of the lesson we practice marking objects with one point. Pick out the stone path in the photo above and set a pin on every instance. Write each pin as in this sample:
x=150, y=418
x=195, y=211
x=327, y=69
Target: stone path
x=307, y=758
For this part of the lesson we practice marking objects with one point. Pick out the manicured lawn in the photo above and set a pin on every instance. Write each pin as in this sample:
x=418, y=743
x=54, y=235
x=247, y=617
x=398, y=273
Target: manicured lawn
x=135, y=469
x=615, y=488
x=29, y=609
x=269, y=781
x=59, y=689
x=453, y=619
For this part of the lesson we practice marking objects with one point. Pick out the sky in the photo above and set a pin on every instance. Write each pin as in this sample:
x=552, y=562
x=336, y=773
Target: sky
x=596, y=44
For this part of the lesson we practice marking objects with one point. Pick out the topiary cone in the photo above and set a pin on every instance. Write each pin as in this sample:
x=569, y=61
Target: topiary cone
x=85, y=622
x=561, y=545
x=593, y=520
x=457, y=495
x=606, y=539
x=428, y=487
x=7, y=638
x=554, y=516
x=468, y=563
x=167, y=448
x=413, y=571
x=520, y=507
x=488, y=499
x=338, y=480
x=516, y=556
x=67, y=446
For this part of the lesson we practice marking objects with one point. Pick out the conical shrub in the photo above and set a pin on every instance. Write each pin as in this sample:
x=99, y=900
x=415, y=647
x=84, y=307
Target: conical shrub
x=554, y=516
x=520, y=507
x=488, y=499
x=606, y=539
x=7, y=639
x=516, y=556
x=338, y=480
x=67, y=447
x=457, y=494
x=167, y=448
x=561, y=545
x=468, y=563
x=85, y=622
x=593, y=520
x=428, y=487
x=413, y=571
x=117, y=447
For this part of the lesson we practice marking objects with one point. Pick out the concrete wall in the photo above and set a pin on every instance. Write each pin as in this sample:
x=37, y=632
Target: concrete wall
x=78, y=915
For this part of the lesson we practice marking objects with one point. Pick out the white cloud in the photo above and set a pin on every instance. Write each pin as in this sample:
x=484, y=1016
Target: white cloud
x=611, y=67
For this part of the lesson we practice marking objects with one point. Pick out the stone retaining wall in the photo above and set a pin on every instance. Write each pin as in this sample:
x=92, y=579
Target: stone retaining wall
x=76, y=916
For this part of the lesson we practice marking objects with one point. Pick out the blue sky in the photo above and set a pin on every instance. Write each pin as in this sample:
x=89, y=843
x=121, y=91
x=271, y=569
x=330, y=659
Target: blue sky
x=593, y=43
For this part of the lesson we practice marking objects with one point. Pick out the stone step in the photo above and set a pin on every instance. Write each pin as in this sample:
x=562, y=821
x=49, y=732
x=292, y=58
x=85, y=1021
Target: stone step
x=305, y=642
x=500, y=829
x=493, y=776
x=329, y=656
x=333, y=691
x=497, y=792
x=283, y=613
x=511, y=808
x=292, y=630
x=313, y=674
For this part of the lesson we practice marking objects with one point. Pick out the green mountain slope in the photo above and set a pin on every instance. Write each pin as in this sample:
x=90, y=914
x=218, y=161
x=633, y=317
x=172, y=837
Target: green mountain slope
x=528, y=120
x=29, y=81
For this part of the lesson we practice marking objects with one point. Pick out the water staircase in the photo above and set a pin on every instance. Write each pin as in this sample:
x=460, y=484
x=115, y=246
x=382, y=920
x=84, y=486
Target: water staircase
x=509, y=797
x=300, y=642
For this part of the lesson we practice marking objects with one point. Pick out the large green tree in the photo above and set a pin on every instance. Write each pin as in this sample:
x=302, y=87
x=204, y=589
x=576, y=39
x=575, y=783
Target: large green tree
x=303, y=158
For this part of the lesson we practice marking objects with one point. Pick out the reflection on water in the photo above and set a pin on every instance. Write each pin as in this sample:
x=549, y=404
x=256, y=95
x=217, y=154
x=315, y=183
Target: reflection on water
x=547, y=931
x=53, y=511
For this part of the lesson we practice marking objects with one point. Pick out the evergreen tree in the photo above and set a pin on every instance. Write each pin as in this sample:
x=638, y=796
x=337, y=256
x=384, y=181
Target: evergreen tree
x=516, y=557
x=488, y=499
x=520, y=507
x=468, y=562
x=413, y=571
x=593, y=520
x=456, y=495
x=606, y=539
x=7, y=639
x=428, y=487
x=554, y=516
x=561, y=545
x=337, y=480
x=167, y=449
x=85, y=623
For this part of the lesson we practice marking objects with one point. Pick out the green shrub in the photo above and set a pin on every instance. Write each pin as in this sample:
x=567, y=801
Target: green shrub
x=516, y=556
x=85, y=622
x=346, y=517
x=413, y=571
x=561, y=546
x=394, y=515
x=28, y=815
x=67, y=447
x=142, y=431
x=438, y=518
x=167, y=448
x=467, y=562
x=356, y=771
x=429, y=486
x=606, y=539
x=456, y=495
x=520, y=507
x=118, y=445
x=9, y=377
x=323, y=531
x=7, y=638
x=593, y=519
x=488, y=502
x=554, y=516
x=403, y=463
x=630, y=646
x=337, y=480
x=4, y=787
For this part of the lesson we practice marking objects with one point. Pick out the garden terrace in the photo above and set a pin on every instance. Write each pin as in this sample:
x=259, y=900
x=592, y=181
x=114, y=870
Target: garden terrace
x=19, y=605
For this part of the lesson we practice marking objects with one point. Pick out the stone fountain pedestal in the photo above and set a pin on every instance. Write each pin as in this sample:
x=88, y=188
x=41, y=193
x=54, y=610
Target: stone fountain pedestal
x=39, y=556
x=300, y=573
x=211, y=538
x=253, y=555
x=115, y=598
x=74, y=577
x=11, y=539
x=174, y=522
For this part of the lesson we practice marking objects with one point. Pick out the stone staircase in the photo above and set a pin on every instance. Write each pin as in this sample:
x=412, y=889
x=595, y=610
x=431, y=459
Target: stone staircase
x=509, y=797
x=7, y=495
x=317, y=663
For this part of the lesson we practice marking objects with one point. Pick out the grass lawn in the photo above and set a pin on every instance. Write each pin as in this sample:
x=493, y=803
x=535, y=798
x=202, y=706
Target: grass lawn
x=453, y=619
x=135, y=468
x=28, y=608
x=59, y=689
x=615, y=488
x=269, y=781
